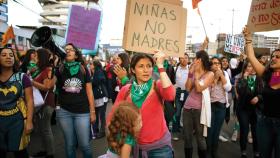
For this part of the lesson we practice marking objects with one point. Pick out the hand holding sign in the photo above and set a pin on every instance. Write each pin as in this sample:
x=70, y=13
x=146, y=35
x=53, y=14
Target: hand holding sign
x=247, y=35
x=159, y=58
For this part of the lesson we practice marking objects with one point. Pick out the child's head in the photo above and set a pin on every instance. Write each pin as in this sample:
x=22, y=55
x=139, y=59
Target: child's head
x=126, y=120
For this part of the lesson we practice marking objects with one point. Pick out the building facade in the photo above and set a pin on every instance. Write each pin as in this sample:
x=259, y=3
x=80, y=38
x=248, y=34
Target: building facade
x=55, y=12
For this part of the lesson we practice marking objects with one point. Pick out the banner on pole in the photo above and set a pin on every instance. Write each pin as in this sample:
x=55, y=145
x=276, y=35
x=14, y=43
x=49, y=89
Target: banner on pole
x=154, y=25
x=234, y=44
x=9, y=34
x=82, y=28
x=264, y=15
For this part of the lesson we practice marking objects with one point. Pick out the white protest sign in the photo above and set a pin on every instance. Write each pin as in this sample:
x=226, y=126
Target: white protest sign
x=234, y=44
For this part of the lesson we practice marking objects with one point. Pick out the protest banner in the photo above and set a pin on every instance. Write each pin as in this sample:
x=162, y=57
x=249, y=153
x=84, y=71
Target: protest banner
x=175, y=2
x=154, y=25
x=234, y=44
x=264, y=15
x=83, y=26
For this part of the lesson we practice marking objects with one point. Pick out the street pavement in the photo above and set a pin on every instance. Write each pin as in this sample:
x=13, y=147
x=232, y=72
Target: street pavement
x=226, y=149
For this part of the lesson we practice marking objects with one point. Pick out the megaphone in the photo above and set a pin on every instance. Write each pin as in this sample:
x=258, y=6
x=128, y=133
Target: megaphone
x=42, y=37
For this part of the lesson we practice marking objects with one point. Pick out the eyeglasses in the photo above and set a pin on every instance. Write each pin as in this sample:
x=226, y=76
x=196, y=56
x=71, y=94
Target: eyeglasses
x=69, y=49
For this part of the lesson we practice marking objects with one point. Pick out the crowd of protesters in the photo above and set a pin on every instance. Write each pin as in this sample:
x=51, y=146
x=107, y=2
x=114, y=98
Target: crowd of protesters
x=149, y=95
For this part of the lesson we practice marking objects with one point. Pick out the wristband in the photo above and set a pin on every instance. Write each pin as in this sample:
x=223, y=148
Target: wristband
x=161, y=70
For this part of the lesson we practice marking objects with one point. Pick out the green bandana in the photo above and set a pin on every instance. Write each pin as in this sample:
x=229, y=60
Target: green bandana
x=140, y=92
x=72, y=67
x=251, y=82
x=33, y=68
x=165, y=65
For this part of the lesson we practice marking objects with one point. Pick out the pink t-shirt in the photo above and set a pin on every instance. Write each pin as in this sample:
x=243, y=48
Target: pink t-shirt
x=153, y=121
x=194, y=100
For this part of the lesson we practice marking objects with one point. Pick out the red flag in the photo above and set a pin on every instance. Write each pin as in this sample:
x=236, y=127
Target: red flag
x=195, y=3
x=9, y=34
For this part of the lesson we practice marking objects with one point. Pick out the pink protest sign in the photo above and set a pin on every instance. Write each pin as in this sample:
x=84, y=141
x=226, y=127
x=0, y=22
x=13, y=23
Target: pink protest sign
x=83, y=27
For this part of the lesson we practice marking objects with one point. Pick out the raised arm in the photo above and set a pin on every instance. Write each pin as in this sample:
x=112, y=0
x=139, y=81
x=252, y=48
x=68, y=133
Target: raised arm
x=165, y=80
x=188, y=84
x=259, y=68
x=204, y=44
x=207, y=81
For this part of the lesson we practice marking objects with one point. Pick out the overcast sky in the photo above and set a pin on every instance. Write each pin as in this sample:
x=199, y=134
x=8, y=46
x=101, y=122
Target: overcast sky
x=217, y=16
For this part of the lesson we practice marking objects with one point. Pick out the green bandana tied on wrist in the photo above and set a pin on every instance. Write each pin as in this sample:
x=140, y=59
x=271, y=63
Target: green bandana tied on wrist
x=140, y=92
x=72, y=67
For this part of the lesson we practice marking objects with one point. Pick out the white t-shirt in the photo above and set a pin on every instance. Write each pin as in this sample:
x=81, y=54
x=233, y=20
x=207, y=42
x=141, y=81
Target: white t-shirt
x=181, y=77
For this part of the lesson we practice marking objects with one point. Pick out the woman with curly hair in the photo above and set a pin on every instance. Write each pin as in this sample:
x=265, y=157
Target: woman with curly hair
x=124, y=127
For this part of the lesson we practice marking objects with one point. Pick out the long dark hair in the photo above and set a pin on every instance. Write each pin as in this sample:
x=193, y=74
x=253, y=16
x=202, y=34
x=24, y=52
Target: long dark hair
x=26, y=60
x=125, y=60
x=204, y=59
x=16, y=64
x=259, y=80
x=268, y=70
x=43, y=56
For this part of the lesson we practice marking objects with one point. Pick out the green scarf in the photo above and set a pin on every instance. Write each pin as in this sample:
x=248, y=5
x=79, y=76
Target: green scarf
x=31, y=67
x=139, y=92
x=72, y=67
x=165, y=65
x=251, y=82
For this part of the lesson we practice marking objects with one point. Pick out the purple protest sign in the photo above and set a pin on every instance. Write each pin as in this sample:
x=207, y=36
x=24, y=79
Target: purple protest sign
x=82, y=27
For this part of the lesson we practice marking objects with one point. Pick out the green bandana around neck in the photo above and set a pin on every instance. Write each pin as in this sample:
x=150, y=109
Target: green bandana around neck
x=165, y=65
x=33, y=68
x=72, y=67
x=140, y=92
x=251, y=82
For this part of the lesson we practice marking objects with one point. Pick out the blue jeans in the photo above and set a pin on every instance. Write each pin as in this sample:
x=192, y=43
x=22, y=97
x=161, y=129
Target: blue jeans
x=218, y=113
x=178, y=107
x=75, y=127
x=269, y=136
x=164, y=152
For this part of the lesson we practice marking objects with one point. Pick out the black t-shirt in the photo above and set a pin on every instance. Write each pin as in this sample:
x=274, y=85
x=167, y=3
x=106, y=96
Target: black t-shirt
x=271, y=102
x=71, y=90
